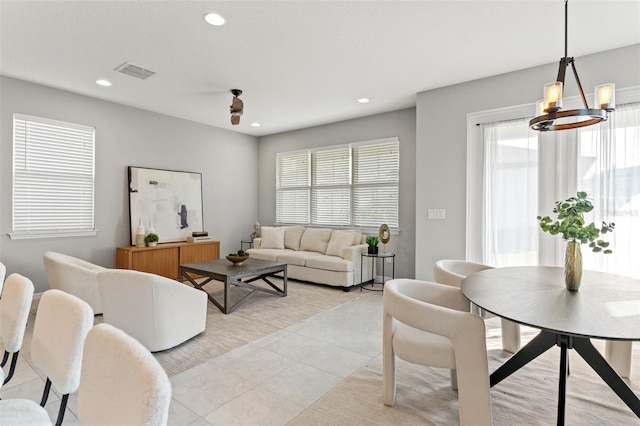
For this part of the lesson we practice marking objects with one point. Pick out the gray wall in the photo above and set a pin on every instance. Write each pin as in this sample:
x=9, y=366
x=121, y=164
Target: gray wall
x=129, y=137
x=398, y=123
x=441, y=116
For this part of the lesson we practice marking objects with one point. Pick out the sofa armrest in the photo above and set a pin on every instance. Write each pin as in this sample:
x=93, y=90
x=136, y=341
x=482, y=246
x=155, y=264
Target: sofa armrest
x=353, y=254
x=257, y=242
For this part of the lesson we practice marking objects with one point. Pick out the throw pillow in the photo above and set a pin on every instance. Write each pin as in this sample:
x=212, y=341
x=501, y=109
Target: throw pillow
x=357, y=237
x=315, y=239
x=272, y=237
x=292, y=236
x=339, y=241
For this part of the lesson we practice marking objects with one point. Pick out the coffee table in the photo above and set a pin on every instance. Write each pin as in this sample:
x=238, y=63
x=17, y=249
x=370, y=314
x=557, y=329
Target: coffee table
x=232, y=275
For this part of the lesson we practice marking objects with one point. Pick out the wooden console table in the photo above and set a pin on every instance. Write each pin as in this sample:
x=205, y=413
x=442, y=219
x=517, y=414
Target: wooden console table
x=164, y=259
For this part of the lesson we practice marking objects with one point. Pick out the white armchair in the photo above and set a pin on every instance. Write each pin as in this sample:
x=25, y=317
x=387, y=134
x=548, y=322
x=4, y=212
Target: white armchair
x=452, y=272
x=157, y=311
x=74, y=276
x=429, y=324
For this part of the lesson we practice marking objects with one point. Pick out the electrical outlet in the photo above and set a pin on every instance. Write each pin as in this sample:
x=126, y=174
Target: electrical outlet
x=436, y=214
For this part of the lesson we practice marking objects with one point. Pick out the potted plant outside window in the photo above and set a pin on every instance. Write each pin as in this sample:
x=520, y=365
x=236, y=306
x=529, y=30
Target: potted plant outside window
x=151, y=239
x=570, y=223
x=372, y=242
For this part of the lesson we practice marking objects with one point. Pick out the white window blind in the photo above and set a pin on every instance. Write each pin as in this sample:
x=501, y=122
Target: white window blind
x=330, y=187
x=376, y=175
x=350, y=185
x=293, y=179
x=53, y=178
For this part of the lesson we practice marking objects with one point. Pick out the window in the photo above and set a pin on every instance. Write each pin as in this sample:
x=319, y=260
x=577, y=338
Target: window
x=510, y=193
x=609, y=170
x=349, y=185
x=515, y=174
x=53, y=178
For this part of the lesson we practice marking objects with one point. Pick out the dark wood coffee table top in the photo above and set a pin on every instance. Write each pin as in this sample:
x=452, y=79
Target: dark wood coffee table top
x=226, y=268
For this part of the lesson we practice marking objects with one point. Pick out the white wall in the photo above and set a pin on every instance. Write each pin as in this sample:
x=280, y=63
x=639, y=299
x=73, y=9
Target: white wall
x=129, y=137
x=441, y=116
x=398, y=123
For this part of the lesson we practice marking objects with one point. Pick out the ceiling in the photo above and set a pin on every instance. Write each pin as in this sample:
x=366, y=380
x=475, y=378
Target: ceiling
x=299, y=63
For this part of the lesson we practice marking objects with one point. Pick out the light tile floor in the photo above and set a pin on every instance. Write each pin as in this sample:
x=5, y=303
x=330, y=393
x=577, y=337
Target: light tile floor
x=266, y=382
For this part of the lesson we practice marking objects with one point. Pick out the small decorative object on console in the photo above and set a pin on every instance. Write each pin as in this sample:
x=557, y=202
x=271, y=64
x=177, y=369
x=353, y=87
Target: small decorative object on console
x=151, y=239
x=140, y=234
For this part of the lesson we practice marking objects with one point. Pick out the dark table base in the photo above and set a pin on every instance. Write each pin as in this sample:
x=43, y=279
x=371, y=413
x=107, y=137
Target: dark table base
x=251, y=270
x=583, y=346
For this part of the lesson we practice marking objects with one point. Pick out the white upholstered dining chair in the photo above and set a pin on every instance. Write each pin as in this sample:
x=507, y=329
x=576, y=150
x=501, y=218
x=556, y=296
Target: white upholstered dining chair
x=452, y=272
x=121, y=382
x=14, y=312
x=61, y=326
x=430, y=324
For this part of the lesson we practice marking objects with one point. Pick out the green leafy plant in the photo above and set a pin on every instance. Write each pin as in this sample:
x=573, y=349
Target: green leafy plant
x=151, y=238
x=372, y=241
x=570, y=223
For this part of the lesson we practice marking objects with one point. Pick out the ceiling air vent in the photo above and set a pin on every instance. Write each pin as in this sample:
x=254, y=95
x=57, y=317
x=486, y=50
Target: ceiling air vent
x=134, y=71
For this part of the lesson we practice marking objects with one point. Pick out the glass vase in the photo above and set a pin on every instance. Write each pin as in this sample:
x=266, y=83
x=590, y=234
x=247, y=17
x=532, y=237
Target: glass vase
x=572, y=266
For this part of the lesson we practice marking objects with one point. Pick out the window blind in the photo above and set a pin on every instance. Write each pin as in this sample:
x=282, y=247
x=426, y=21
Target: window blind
x=376, y=177
x=330, y=187
x=348, y=185
x=53, y=177
x=293, y=176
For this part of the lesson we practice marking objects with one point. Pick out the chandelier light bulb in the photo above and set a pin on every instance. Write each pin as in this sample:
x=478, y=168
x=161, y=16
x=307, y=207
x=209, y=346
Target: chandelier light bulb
x=553, y=96
x=605, y=96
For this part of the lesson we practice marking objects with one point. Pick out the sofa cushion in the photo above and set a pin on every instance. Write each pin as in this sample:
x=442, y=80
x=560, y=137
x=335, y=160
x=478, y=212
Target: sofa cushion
x=292, y=236
x=329, y=263
x=272, y=237
x=267, y=254
x=299, y=257
x=339, y=241
x=315, y=239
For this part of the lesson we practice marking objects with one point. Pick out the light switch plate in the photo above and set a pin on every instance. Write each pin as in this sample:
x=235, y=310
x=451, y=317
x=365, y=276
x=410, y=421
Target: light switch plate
x=436, y=213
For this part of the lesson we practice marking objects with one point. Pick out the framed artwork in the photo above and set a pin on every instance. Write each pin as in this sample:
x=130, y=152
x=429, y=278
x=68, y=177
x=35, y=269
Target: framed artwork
x=167, y=200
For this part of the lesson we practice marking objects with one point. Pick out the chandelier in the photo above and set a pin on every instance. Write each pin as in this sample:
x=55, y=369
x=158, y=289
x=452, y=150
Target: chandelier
x=550, y=115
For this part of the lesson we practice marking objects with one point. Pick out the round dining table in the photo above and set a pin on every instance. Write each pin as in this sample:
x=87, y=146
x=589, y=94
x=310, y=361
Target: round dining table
x=606, y=306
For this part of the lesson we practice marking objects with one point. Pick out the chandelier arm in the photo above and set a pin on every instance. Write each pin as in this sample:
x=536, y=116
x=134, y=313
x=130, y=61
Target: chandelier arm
x=562, y=68
x=575, y=73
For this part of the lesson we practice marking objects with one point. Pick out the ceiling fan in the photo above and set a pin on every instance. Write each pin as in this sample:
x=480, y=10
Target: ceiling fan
x=236, y=106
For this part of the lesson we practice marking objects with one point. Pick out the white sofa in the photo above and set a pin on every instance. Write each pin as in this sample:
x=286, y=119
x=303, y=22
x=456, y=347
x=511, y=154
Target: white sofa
x=323, y=256
x=74, y=276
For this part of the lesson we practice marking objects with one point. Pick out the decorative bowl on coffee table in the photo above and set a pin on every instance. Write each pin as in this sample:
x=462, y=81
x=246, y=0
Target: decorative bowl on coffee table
x=237, y=260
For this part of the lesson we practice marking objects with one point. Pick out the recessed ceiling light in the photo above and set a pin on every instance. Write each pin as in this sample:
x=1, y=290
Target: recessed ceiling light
x=214, y=19
x=255, y=124
x=363, y=100
x=103, y=83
